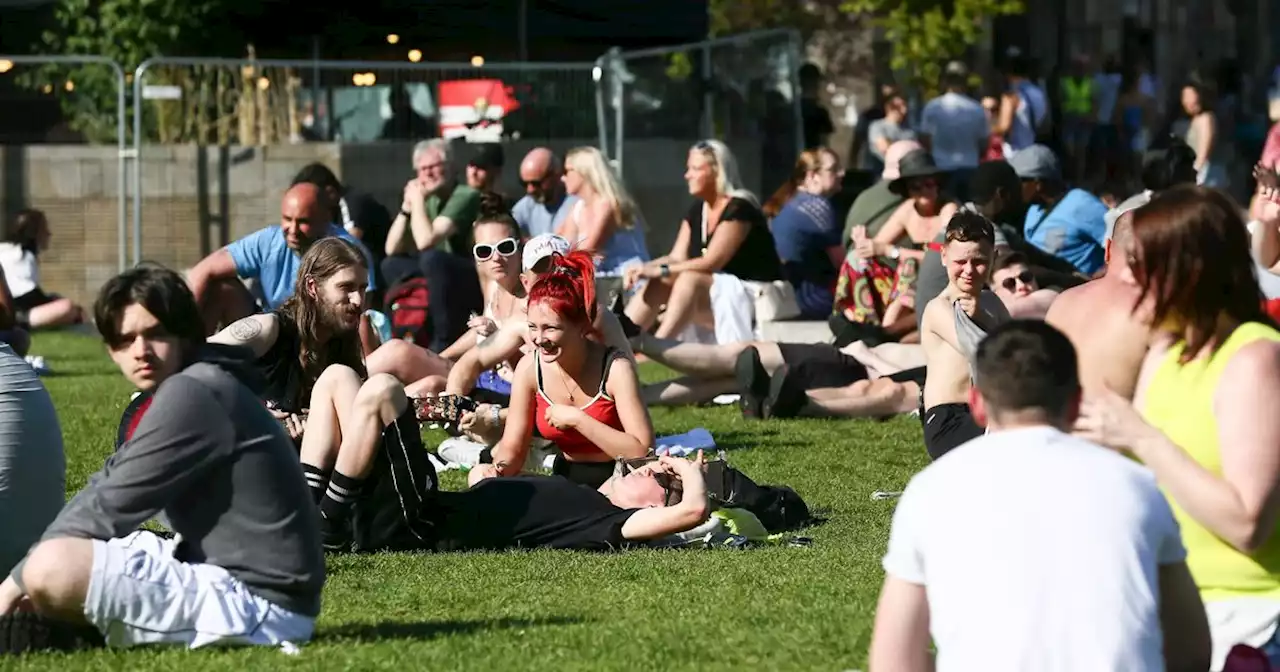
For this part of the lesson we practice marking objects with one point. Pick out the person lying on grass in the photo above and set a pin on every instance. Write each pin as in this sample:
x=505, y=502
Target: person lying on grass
x=208, y=455
x=577, y=392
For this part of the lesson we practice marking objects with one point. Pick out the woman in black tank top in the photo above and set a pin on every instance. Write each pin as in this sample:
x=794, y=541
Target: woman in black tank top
x=724, y=231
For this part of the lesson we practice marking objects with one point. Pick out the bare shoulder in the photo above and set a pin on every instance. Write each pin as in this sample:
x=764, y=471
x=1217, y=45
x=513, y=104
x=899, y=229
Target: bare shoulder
x=1255, y=367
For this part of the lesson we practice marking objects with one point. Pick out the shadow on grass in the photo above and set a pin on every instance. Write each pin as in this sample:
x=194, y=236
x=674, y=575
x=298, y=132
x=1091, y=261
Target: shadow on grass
x=384, y=630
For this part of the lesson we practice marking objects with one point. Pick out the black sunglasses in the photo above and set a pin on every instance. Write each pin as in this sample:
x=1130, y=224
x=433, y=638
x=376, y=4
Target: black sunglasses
x=534, y=183
x=505, y=248
x=1012, y=281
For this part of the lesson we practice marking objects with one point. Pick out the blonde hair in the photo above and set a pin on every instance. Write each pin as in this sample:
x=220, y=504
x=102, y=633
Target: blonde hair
x=590, y=163
x=728, y=180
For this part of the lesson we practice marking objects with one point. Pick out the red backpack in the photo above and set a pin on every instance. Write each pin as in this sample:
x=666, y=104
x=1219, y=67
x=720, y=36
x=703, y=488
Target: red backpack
x=407, y=302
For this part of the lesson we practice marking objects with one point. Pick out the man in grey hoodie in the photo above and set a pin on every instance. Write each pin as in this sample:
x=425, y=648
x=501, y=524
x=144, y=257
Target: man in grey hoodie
x=207, y=454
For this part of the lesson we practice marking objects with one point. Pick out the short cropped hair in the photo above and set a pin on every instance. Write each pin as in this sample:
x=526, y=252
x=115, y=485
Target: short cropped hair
x=158, y=289
x=319, y=175
x=1009, y=258
x=1026, y=365
x=967, y=226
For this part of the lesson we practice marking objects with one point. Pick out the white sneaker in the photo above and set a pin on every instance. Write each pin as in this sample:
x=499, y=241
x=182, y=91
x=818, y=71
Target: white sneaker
x=37, y=363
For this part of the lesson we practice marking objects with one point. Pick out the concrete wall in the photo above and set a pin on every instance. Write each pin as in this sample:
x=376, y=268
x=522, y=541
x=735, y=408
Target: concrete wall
x=196, y=199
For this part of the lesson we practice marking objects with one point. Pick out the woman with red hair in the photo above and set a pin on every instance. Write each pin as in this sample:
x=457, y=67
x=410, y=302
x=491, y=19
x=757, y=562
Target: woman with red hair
x=580, y=394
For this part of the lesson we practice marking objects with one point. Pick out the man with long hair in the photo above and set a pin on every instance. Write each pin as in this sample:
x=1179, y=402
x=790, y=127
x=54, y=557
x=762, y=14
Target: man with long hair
x=208, y=457
x=309, y=351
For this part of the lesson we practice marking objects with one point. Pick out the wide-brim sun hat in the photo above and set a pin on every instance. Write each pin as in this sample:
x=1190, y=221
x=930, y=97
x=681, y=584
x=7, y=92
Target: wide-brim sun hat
x=917, y=164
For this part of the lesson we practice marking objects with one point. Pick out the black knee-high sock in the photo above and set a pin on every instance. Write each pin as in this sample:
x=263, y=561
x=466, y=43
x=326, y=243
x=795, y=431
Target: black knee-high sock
x=339, y=496
x=317, y=481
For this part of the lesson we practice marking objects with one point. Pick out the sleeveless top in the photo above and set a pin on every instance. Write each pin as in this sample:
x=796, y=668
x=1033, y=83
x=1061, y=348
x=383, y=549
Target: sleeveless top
x=1180, y=403
x=573, y=445
x=280, y=365
x=622, y=246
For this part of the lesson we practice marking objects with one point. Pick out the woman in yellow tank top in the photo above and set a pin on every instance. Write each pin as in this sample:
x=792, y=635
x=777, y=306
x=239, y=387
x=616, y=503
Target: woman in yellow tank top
x=1204, y=418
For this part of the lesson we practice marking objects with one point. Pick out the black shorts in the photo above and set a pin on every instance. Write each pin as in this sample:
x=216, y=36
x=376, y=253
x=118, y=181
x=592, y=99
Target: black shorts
x=947, y=426
x=23, y=305
x=818, y=365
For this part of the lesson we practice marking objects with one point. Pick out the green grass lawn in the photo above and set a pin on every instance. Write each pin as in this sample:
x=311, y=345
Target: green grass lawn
x=772, y=608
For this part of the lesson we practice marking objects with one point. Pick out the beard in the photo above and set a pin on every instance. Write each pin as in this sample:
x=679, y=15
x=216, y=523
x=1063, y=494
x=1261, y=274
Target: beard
x=339, y=320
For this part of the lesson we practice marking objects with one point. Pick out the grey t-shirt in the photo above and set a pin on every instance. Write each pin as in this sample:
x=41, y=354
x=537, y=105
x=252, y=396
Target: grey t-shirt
x=227, y=477
x=932, y=278
x=883, y=128
x=32, y=464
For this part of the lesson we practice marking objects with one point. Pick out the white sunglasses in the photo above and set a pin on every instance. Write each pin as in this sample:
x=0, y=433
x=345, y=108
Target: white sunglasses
x=505, y=248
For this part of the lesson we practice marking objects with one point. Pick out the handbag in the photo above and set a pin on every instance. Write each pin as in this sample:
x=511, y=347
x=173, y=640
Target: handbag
x=773, y=301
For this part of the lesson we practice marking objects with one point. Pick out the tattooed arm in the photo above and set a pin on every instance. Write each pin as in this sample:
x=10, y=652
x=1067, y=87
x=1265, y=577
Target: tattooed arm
x=256, y=332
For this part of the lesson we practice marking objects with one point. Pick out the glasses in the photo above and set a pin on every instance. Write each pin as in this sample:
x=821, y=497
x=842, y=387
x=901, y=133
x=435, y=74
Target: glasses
x=533, y=183
x=923, y=184
x=1011, y=282
x=505, y=248
x=431, y=167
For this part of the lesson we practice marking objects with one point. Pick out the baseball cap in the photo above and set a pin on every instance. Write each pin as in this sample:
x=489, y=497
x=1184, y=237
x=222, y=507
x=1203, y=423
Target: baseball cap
x=541, y=247
x=1036, y=162
x=1128, y=205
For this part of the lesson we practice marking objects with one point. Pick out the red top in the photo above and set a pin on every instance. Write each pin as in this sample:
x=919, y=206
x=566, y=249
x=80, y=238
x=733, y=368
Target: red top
x=572, y=444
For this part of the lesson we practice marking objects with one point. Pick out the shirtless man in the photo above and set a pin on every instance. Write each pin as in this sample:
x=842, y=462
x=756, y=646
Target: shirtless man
x=947, y=420
x=1098, y=315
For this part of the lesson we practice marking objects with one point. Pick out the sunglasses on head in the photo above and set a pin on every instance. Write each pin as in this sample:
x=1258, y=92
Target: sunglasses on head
x=505, y=248
x=1011, y=282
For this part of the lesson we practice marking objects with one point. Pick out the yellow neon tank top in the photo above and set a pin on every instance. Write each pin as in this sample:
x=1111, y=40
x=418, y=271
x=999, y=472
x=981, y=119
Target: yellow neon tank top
x=1179, y=402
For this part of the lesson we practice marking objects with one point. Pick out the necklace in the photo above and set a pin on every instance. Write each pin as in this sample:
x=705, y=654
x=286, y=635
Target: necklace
x=565, y=380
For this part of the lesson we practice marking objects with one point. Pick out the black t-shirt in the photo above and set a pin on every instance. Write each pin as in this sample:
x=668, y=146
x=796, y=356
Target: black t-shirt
x=528, y=512
x=371, y=217
x=282, y=367
x=756, y=258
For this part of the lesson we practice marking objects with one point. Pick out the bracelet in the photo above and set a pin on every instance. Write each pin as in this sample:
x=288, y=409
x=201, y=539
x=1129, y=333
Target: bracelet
x=405, y=213
x=664, y=271
x=496, y=411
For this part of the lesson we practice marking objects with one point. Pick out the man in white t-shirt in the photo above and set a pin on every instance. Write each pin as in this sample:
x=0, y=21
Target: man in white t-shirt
x=954, y=127
x=1029, y=549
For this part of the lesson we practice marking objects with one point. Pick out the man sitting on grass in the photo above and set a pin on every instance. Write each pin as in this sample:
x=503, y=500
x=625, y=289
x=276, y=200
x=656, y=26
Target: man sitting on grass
x=206, y=454
x=310, y=353
x=1030, y=549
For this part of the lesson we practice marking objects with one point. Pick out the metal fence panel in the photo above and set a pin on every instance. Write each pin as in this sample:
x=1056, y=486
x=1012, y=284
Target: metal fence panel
x=262, y=106
x=73, y=185
x=741, y=89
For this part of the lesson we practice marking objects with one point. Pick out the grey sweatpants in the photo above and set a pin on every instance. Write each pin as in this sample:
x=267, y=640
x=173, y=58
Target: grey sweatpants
x=32, y=464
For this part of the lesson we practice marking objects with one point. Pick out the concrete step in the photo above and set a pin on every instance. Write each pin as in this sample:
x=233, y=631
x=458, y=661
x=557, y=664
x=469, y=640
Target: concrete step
x=796, y=331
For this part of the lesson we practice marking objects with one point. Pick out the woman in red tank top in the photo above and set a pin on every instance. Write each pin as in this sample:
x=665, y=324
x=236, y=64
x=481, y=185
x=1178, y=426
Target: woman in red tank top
x=580, y=394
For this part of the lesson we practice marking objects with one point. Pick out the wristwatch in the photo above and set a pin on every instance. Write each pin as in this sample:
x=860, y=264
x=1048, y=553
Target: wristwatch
x=664, y=270
x=893, y=252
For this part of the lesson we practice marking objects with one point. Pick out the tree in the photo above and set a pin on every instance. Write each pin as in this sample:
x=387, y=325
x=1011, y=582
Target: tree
x=925, y=34
x=128, y=32
x=922, y=34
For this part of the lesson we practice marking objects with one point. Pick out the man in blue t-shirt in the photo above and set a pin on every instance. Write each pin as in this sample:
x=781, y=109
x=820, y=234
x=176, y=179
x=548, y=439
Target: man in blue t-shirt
x=1067, y=223
x=545, y=205
x=270, y=256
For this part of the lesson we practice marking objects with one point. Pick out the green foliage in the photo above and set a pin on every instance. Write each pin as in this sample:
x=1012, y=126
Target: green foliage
x=925, y=34
x=126, y=31
x=728, y=17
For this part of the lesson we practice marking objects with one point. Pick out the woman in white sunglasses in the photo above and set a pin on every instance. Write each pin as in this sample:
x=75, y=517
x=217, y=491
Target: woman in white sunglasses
x=496, y=253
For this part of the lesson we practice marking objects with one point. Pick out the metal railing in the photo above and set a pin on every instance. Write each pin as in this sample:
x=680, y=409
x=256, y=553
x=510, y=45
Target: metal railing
x=744, y=86
x=122, y=153
x=252, y=102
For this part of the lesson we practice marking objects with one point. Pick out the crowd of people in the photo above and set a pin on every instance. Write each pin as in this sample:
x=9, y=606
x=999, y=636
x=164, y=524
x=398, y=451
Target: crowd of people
x=1040, y=330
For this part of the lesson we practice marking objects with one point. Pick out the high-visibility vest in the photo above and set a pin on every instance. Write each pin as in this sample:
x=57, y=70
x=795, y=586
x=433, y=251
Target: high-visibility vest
x=1077, y=95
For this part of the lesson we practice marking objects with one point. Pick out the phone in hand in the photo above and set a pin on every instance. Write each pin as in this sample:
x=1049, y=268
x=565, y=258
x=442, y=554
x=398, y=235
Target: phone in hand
x=446, y=408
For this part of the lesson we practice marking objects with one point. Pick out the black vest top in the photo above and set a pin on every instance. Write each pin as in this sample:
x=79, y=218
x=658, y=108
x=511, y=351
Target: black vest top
x=281, y=366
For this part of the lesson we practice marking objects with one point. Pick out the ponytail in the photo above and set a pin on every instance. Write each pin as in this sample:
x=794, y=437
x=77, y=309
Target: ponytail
x=569, y=289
